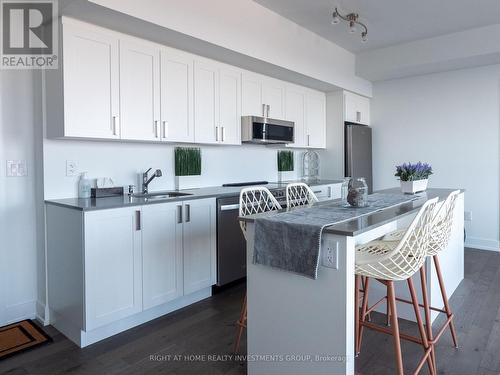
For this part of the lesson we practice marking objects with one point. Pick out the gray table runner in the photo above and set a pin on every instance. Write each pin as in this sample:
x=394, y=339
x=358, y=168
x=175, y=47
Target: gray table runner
x=291, y=240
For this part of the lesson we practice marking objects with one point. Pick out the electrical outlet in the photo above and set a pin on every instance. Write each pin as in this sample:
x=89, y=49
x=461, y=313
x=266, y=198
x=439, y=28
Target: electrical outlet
x=330, y=254
x=16, y=168
x=71, y=168
x=468, y=215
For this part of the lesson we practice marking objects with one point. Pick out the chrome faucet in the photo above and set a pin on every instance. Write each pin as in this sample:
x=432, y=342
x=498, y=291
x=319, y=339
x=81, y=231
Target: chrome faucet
x=146, y=181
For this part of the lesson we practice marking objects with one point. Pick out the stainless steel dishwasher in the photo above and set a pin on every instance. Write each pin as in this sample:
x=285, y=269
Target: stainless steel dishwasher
x=231, y=245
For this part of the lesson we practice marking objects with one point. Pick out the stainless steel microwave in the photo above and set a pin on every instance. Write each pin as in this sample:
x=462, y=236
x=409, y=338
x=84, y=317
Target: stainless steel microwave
x=255, y=129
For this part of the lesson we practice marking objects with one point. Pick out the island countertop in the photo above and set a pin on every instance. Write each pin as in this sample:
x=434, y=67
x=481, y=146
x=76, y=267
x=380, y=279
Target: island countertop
x=371, y=221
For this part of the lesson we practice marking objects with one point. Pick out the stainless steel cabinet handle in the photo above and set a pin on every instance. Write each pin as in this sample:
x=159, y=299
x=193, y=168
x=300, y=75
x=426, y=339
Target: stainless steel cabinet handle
x=263, y=110
x=308, y=140
x=268, y=108
x=179, y=214
x=216, y=134
x=229, y=207
x=188, y=213
x=165, y=129
x=358, y=116
x=156, y=129
x=317, y=191
x=137, y=220
x=222, y=134
x=115, y=120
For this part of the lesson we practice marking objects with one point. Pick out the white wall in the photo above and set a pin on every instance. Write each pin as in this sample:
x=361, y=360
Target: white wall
x=450, y=120
x=123, y=161
x=21, y=223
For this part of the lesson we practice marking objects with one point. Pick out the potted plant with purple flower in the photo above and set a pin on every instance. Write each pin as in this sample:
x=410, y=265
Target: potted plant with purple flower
x=414, y=177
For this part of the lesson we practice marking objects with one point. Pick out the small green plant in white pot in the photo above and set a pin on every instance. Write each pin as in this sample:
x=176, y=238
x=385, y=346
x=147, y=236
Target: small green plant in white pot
x=414, y=177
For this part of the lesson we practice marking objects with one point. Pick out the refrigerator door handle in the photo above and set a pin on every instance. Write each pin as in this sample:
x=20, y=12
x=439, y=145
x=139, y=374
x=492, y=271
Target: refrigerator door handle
x=349, y=152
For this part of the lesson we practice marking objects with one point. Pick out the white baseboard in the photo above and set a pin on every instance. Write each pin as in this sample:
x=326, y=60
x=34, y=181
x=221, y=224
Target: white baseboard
x=18, y=312
x=482, y=244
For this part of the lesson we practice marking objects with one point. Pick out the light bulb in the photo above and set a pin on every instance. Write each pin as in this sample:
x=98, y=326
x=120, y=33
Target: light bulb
x=335, y=19
x=352, y=27
x=364, y=36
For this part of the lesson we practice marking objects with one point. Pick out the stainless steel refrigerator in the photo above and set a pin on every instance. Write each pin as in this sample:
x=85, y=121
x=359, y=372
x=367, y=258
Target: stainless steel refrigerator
x=358, y=152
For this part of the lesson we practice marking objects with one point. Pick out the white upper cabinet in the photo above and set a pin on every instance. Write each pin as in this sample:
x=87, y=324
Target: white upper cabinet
x=177, y=123
x=251, y=99
x=161, y=253
x=316, y=120
x=113, y=265
x=230, y=105
x=262, y=96
x=273, y=95
x=307, y=109
x=217, y=103
x=115, y=86
x=206, y=102
x=357, y=108
x=295, y=100
x=139, y=90
x=91, y=86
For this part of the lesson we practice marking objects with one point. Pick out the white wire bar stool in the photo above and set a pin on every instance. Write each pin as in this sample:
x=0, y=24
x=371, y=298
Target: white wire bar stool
x=390, y=261
x=253, y=200
x=299, y=194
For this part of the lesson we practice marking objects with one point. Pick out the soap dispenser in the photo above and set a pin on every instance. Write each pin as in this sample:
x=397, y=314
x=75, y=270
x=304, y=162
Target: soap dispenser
x=84, y=186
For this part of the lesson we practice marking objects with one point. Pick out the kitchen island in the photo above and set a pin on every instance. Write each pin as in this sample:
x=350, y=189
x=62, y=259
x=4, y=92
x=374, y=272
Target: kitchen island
x=298, y=325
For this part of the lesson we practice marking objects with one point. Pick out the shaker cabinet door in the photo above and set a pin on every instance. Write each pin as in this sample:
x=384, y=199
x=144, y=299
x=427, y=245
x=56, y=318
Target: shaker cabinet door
x=316, y=120
x=113, y=266
x=177, y=122
x=199, y=244
x=206, y=102
x=161, y=253
x=230, y=106
x=139, y=91
x=91, y=87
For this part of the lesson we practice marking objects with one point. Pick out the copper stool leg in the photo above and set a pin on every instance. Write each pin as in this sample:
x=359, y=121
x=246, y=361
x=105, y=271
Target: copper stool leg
x=357, y=281
x=427, y=310
x=241, y=324
x=395, y=327
x=425, y=342
x=364, y=308
x=445, y=300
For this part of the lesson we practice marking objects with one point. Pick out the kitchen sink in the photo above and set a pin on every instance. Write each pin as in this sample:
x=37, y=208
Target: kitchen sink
x=160, y=195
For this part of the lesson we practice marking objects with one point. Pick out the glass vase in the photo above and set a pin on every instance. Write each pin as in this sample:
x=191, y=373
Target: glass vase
x=357, y=192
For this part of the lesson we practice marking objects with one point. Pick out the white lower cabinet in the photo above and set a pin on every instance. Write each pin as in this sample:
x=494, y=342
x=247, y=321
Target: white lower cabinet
x=199, y=244
x=112, y=269
x=178, y=246
x=113, y=266
x=161, y=254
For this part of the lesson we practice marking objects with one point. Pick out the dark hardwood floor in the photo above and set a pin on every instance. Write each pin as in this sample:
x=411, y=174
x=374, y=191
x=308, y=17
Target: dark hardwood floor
x=207, y=328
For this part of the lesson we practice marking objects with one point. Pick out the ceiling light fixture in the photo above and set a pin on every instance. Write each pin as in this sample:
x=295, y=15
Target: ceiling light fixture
x=352, y=18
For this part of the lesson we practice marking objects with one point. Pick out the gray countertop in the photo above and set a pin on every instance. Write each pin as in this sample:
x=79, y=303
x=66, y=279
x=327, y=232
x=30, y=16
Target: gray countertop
x=365, y=223
x=92, y=204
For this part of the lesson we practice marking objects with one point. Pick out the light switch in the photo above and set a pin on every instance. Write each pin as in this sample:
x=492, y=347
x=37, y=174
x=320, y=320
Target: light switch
x=16, y=168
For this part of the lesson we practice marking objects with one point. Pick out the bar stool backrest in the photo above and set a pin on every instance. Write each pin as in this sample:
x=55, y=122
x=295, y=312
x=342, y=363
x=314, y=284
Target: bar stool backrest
x=402, y=261
x=256, y=200
x=442, y=223
x=299, y=194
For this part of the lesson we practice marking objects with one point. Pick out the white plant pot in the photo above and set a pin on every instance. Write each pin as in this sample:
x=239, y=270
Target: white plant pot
x=412, y=187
